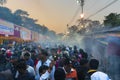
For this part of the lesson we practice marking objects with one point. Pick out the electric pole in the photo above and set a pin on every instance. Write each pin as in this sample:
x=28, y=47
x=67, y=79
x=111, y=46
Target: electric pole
x=81, y=2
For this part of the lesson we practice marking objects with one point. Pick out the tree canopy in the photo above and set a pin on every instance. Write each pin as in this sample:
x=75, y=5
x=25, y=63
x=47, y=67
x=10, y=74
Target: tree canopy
x=21, y=17
x=112, y=20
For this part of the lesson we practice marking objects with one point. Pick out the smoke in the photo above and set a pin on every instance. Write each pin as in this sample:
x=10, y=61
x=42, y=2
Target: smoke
x=106, y=50
x=108, y=54
x=113, y=57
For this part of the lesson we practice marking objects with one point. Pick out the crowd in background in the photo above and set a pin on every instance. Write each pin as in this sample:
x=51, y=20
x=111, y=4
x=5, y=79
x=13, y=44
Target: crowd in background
x=30, y=61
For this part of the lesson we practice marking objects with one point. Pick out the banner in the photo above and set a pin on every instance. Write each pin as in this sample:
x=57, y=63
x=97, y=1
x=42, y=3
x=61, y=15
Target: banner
x=35, y=36
x=17, y=31
x=25, y=33
x=6, y=28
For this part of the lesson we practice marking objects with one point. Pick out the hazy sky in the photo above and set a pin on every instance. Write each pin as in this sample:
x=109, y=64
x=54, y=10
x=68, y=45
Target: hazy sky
x=56, y=14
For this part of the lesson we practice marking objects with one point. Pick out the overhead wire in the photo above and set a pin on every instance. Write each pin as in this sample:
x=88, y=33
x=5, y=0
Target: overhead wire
x=74, y=16
x=91, y=6
x=78, y=10
x=96, y=1
x=102, y=8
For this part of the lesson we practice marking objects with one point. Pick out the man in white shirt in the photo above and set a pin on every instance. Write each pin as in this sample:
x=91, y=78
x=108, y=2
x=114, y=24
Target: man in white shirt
x=93, y=74
x=43, y=61
x=99, y=76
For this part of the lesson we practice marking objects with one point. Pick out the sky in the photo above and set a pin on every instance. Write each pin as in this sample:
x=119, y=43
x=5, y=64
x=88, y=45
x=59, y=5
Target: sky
x=56, y=14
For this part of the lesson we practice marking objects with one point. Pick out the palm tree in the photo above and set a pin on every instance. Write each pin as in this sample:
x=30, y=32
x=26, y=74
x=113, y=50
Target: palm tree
x=2, y=2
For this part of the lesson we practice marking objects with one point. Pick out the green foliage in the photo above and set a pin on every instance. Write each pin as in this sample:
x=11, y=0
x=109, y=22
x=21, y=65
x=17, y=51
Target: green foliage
x=21, y=13
x=6, y=14
x=73, y=29
x=22, y=18
x=112, y=20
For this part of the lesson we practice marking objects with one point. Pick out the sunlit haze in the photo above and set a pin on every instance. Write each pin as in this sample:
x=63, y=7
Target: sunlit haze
x=56, y=14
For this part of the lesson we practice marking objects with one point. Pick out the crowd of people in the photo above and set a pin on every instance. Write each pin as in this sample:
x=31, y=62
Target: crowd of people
x=30, y=61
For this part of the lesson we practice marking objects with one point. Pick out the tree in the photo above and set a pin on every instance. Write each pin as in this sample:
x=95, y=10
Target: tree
x=52, y=34
x=6, y=14
x=83, y=22
x=87, y=25
x=112, y=20
x=21, y=13
x=73, y=29
x=44, y=30
x=93, y=26
x=22, y=18
x=2, y=2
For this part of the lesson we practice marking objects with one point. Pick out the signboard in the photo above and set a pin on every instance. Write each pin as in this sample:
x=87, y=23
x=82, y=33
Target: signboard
x=25, y=33
x=35, y=36
x=17, y=31
x=6, y=28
